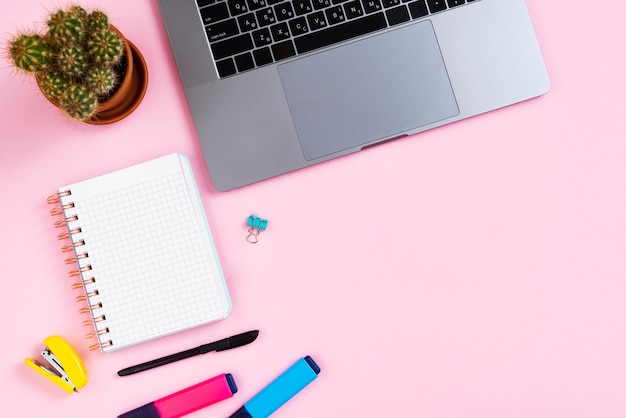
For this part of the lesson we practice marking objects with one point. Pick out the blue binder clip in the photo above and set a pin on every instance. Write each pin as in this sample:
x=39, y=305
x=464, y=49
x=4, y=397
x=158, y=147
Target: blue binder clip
x=255, y=226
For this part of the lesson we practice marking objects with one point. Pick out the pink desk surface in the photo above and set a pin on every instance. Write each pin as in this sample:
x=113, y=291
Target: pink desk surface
x=477, y=270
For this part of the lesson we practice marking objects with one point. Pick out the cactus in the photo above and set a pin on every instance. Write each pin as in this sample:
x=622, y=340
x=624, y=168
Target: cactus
x=72, y=62
x=53, y=86
x=79, y=13
x=76, y=62
x=105, y=47
x=30, y=53
x=79, y=102
x=101, y=80
x=66, y=28
x=97, y=21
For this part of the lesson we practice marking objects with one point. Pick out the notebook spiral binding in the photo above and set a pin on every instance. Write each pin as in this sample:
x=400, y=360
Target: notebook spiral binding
x=97, y=320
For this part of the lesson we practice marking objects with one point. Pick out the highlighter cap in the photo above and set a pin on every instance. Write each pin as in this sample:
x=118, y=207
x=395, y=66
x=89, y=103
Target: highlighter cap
x=283, y=388
x=241, y=413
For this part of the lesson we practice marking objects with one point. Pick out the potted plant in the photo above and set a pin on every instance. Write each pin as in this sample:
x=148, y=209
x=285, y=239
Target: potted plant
x=83, y=65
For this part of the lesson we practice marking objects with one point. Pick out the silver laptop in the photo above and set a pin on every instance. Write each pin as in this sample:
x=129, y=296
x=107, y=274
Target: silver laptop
x=278, y=85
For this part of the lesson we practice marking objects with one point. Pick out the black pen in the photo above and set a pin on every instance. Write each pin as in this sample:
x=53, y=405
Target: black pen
x=221, y=345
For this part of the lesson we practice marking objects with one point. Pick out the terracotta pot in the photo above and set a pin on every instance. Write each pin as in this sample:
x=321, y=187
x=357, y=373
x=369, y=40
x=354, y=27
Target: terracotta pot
x=129, y=93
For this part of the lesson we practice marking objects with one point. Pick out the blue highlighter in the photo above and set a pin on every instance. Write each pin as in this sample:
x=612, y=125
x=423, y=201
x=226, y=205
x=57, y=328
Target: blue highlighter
x=283, y=388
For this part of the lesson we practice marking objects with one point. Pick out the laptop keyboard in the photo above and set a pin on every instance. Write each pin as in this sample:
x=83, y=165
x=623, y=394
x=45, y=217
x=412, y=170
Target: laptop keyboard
x=245, y=34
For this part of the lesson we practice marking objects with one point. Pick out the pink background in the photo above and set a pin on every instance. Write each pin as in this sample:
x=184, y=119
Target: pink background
x=476, y=270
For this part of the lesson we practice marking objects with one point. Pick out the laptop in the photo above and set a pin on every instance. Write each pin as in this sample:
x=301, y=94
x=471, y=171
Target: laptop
x=278, y=85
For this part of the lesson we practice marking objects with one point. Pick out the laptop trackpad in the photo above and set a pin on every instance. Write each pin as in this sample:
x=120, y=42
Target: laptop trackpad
x=368, y=90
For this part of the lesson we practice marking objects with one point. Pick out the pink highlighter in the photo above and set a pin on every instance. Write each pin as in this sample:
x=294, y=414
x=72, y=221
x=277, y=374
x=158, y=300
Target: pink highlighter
x=187, y=400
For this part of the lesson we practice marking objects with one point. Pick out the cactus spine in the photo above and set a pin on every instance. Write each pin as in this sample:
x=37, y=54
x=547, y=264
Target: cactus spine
x=75, y=62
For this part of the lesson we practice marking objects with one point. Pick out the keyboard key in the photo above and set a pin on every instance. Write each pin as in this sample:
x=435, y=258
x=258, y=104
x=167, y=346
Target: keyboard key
x=247, y=22
x=437, y=5
x=232, y=46
x=262, y=37
x=244, y=62
x=397, y=15
x=454, y=3
x=214, y=13
x=283, y=11
x=237, y=7
x=262, y=56
x=283, y=50
x=317, y=20
x=256, y=4
x=280, y=32
x=321, y=4
x=335, y=15
x=418, y=9
x=390, y=3
x=339, y=33
x=298, y=26
x=353, y=9
x=371, y=6
x=266, y=17
x=222, y=30
x=226, y=67
x=302, y=7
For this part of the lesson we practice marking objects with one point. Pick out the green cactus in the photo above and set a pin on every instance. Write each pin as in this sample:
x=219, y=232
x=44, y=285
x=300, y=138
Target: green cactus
x=105, y=47
x=53, y=85
x=79, y=13
x=30, y=53
x=101, y=80
x=72, y=62
x=97, y=21
x=75, y=62
x=65, y=28
x=79, y=102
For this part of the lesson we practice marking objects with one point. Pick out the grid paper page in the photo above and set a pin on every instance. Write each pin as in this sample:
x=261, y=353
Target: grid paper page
x=151, y=255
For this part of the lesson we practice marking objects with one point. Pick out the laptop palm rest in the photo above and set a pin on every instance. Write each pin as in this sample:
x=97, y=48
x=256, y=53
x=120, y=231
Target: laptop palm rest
x=368, y=90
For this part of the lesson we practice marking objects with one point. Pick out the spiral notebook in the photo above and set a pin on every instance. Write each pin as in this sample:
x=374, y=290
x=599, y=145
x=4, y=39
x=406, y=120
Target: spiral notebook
x=143, y=251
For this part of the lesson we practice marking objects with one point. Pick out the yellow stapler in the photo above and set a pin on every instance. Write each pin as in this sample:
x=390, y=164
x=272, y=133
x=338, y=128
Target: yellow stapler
x=62, y=365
